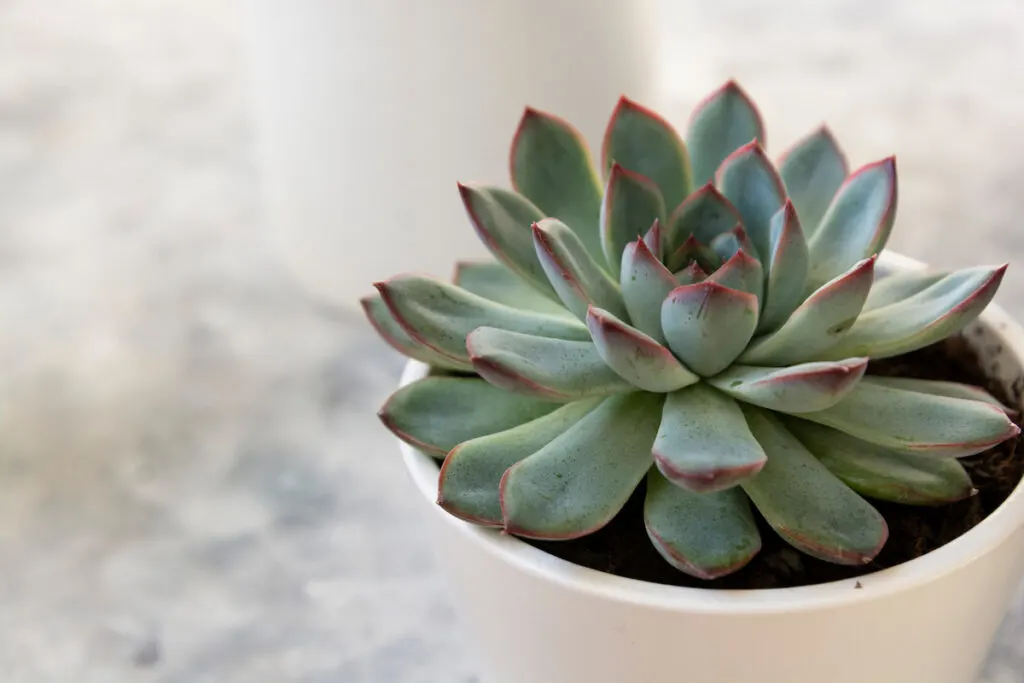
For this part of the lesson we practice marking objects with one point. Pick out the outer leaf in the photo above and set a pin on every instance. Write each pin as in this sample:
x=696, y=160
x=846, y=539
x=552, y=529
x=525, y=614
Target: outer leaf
x=693, y=251
x=631, y=203
x=643, y=141
x=728, y=243
x=636, y=357
x=436, y=414
x=551, y=166
x=896, y=287
x=578, y=279
x=496, y=282
x=812, y=170
x=748, y=180
x=703, y=443
x=818, y=323
x=645, y=284
x=787, y=269
x=797, y=389
x=925, y=318
x=708, y=325
x=857, y=223
x=806, y=504
x=940, y=388
x=884, y=474
x=440, y=316
x=578, y=482
x=706, y=535
x=741, y=272
x=705, y=214
x=722, y=123
x=388, y=328
x=551, y=369
x=502, y=220
x=914, y=422
x=471, y=474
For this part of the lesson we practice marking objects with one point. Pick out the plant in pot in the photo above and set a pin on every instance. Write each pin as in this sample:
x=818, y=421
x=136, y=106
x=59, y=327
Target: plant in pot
x=699, y=383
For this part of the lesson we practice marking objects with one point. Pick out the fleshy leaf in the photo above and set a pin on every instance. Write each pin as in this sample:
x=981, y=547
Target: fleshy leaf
x=436, y=414
x=691, y=274
x=645, y=284
x=871, y=470
x=471, y=473
x=721, y=124
x=644, y=142
x=441, y=316
x=915, y=422
x=703, y=443
x=631, y=203
x=706, y=535
x=929, y=316
x=708, y=325
x=705, y=214
x=390, y=331
x=654, y=239
x=787, y=269
x=551, y=369
x=795, y=389
x=502, y=220
x=731, y=241
x=577, y=278
x=741, y=272
x=578, y=482
x=818, y=323
x=857, y=223
x=808, y=506
x=636, y=357
x=748, y=180
x=551, y=166
x=812, y=171
x=941, y=388
x=693, y=250
x=896, y=287
x=496, y=282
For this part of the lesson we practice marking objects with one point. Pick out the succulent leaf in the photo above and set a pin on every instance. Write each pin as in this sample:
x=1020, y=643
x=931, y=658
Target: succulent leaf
x=645, y=284
x=934, y=313
x=551, y=166
x=708, y=325
x=436, y=414
x=703, y=443
x=721, y=124
x=642, y=141
x=654, y=239
x=895, y=287
x=631, y=203
x=731, y=241
x=440, y=316
x=546, y=368
x=691, y=274
x=857, y=223
x=803, y=388
x=741, y=272
x=636, y=357
x=472, y=471
x=808, y=506
x=915, y=422
x=787, y=269
x=502, y=220
x=942, y=388
x=693, y=251
x=578, y=482
x=495, y=281
x=748, y=180
x=871, y=470
x=705, y=214
x=390, y=331
x=812, y=171
x=706, y=535
x=818, y=323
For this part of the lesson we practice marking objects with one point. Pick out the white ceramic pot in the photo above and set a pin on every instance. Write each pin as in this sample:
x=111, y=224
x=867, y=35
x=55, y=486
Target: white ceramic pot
x=534, y=618
x=367, y=113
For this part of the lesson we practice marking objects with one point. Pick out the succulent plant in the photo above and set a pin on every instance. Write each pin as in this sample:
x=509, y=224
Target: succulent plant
x=701, y=319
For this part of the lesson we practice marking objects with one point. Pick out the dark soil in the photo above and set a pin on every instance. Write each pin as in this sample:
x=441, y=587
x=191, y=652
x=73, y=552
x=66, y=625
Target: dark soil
x=622, y=547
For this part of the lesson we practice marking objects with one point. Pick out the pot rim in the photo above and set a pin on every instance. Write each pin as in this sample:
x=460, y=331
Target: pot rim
x=971, y=546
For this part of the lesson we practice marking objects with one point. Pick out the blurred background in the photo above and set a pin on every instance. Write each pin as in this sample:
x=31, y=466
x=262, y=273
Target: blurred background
x=194, y=485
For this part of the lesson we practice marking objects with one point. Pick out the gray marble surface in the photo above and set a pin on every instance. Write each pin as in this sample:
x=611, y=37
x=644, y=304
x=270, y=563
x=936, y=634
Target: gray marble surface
x=194, y=486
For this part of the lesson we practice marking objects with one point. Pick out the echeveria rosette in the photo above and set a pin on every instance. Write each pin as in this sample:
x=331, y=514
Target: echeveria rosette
x=695, y=316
